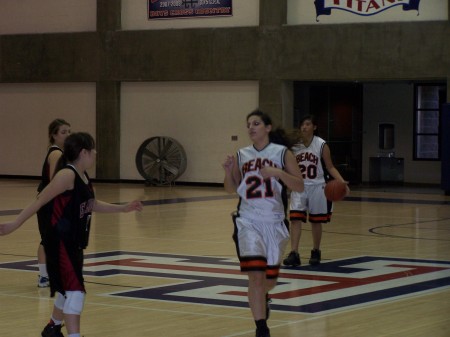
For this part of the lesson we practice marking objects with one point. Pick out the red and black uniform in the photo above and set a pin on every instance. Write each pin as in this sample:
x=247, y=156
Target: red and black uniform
x=68, y=235
x=44, y=213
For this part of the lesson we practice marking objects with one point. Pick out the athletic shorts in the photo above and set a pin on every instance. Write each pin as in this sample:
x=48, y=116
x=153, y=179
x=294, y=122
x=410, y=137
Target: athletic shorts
x=311, y=202
x=260, y=244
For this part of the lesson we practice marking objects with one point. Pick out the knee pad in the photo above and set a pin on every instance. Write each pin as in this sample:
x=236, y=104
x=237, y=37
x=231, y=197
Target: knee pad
x=59, y=301
x=74, y=302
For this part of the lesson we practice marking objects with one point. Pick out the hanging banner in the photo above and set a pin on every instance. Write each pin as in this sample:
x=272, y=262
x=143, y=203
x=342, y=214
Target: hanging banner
x=365, y=8
x=171, y=9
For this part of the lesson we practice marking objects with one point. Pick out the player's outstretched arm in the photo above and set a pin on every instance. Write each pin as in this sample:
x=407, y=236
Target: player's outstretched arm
x=6, y=228
x=105, y=207
x=61, y=182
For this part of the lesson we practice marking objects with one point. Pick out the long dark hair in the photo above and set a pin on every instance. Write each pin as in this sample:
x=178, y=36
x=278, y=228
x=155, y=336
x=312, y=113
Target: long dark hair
x=277, y=136
x=73, y=145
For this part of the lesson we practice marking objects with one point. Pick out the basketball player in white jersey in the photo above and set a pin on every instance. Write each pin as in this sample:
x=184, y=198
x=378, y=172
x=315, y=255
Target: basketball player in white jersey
x=314, y=159
x=260, y=174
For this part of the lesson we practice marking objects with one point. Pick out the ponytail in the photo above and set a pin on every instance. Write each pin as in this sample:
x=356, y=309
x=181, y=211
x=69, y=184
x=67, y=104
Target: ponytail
x=280, y=136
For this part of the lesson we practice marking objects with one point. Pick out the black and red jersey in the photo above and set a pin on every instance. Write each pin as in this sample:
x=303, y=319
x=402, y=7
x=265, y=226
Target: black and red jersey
x=72, y=211
x=44, y=213
x=45, y=176
x=68, y=234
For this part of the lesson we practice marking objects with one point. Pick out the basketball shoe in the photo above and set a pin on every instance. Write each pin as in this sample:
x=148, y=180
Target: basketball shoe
x=52, y=330
x=292, y=260
x=315, y=257
x=262, y=333
x=43, y=281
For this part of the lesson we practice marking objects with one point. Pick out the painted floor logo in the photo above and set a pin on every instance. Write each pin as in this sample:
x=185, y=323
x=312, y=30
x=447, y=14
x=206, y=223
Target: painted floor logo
x=334, y=285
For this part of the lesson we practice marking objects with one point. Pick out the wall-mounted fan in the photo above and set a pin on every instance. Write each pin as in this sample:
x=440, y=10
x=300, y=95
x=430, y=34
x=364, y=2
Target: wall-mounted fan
x=161, y=160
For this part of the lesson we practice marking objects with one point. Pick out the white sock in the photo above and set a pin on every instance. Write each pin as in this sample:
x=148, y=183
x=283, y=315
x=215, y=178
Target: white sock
x=74, y=335
x=42, y=270
x=57, y=322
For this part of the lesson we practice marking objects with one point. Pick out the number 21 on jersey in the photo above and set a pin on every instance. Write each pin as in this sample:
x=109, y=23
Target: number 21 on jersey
x=257, y=187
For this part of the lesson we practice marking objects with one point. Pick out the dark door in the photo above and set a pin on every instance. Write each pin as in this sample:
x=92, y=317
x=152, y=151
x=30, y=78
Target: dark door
x=338, y=108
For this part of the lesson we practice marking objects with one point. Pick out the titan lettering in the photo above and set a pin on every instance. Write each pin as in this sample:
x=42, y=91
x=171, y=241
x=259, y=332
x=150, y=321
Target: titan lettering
x=366, y=5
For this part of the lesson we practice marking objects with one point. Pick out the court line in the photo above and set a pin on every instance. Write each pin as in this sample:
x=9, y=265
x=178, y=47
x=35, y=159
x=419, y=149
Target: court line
x=158, y=202
x=398, y=200
x=273, y=325
x=184, y=312
x=373, y=230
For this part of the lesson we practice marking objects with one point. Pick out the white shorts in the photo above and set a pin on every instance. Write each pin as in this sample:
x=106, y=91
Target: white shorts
x=311, y=202
x=260, y=244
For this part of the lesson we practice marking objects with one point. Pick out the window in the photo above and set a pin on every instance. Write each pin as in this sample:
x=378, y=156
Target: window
x=428, y=100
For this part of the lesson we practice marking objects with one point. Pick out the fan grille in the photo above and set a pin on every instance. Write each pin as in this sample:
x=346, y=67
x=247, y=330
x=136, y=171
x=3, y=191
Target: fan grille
x=161, y=160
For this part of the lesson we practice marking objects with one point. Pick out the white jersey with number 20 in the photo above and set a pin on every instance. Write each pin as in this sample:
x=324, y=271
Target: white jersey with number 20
x=309, y=160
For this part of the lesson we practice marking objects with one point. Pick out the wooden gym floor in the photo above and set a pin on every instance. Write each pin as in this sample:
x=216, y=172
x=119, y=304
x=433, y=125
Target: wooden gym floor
x=171, y=270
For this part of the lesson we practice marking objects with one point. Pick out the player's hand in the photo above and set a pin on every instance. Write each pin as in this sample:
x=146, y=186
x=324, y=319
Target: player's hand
x=7, y=228
x=269, y=171
x=347, y=188
x=228, y=164
x=135, y=205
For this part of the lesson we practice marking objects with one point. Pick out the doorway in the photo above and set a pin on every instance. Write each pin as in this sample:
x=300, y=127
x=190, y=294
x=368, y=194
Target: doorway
x=338, y=109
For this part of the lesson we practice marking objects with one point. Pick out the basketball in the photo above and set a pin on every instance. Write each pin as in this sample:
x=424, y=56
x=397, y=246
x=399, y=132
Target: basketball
x=335, y=190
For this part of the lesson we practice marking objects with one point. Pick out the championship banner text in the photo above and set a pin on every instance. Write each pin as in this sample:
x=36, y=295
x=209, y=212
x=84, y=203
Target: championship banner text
x=172, y=9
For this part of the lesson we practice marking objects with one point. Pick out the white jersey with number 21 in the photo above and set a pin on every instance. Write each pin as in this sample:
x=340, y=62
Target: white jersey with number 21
x=259, y=197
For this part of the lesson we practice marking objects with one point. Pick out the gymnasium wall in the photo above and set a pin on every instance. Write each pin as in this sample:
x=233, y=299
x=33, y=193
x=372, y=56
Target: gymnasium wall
x=196, y=79
x=392, y=102
x=304, y=12
x=47, y=16
x=201, y=116
x=26, y=110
